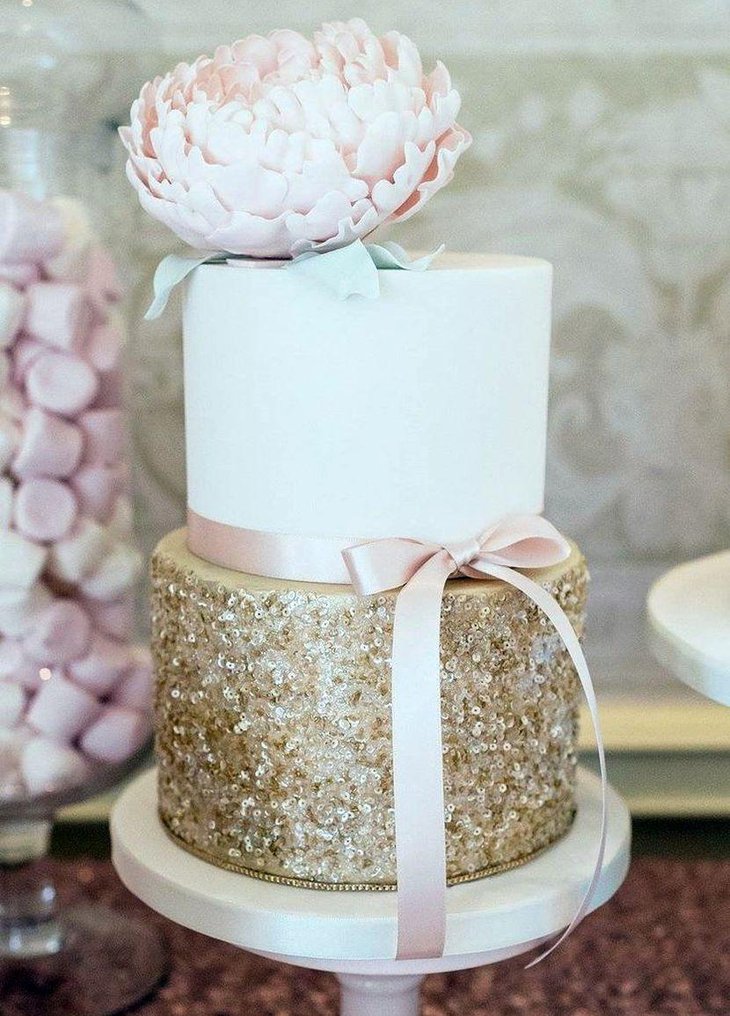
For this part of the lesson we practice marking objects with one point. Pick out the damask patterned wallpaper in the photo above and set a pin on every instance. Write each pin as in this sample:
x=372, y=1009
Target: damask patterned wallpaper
x=602, y=142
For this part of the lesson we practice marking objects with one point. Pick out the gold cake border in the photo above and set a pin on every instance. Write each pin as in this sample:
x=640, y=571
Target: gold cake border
x=352, y=887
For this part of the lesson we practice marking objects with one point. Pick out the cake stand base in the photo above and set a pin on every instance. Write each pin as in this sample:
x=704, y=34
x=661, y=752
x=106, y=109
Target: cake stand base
x=353, y=934
x=368, y=995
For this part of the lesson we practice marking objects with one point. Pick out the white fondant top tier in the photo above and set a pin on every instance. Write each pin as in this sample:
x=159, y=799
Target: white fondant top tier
x=422, y=413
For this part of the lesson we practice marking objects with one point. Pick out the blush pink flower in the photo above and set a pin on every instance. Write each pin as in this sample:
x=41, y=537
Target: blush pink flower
x=279, y=145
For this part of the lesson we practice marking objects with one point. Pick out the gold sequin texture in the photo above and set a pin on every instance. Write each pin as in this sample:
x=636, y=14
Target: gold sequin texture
x=274, y=728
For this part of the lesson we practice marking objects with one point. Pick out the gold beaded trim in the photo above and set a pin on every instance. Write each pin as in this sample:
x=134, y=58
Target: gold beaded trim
x=356, y=887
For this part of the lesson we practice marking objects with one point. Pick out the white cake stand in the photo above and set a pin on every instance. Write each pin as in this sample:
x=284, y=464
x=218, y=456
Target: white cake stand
x=353, y=934
x=689, y=619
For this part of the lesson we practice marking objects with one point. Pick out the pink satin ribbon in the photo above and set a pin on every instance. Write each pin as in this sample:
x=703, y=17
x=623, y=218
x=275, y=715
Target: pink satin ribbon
x=420, y=570
x=276, y=555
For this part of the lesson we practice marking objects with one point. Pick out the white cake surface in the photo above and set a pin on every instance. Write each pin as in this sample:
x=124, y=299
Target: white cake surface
x=420, y=414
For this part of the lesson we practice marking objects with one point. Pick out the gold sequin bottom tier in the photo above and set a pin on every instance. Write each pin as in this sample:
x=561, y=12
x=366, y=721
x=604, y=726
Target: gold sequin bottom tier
x=274, y=727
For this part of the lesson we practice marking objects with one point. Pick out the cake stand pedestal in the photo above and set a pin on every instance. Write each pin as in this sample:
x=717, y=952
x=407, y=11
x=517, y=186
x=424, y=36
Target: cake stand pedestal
x=689, y=621
x=353, y=934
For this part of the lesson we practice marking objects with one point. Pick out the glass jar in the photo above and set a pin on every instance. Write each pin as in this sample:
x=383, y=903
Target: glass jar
x=75, y=686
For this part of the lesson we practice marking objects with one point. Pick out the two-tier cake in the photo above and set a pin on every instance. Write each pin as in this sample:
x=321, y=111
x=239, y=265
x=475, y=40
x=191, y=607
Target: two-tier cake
x=316, y=424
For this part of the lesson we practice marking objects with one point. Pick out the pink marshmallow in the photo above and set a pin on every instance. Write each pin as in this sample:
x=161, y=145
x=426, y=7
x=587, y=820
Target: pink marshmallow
x=135, y=689
x=48, y=767
x=20, y=609
x=29, y=230
x=104, y=346
x=80, y=554
x=16, y=668
x=102, y=667
x=20, y=273
x=103, y=282
x=44, y=509
x=12, y=704
x=97, y=488
x=114, y=617
x=11, y=658
x=21, y=560
x=62, y=383
x=116, y=735
x=12, y=312
x=105, y=435
x=12, y=742
x=25, y=352
x=117, y=573
x=10, y=436
x=12, y=405
x=61, y=634
x=73, y=260
x=58, y=314
x=111, y=390
x=50, y=446
x=6, y=501
x=61, y=709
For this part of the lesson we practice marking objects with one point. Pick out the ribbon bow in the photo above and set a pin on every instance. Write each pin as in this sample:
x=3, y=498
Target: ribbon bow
x=421, y=570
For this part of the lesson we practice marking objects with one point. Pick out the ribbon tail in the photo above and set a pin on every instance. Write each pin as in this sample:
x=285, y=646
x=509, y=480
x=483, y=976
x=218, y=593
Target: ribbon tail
x=418, y=784
x=564, y=628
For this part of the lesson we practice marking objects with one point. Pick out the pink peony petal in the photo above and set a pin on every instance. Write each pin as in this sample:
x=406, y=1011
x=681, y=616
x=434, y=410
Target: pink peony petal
x=439, y=173
x=279, y=142
x=250, y=234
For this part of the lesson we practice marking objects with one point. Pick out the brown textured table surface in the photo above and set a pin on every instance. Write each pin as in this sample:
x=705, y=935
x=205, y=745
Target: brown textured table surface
x=661, y=947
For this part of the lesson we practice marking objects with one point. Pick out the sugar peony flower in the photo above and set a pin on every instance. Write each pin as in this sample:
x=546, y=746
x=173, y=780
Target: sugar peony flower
x=279, y=145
